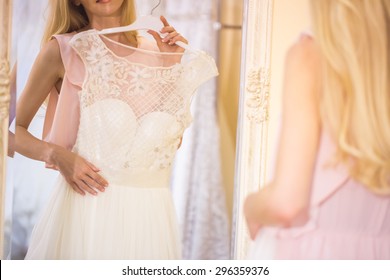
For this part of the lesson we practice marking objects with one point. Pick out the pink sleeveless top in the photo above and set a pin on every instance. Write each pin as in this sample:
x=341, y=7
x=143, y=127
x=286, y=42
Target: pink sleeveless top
x=346, y=220
x=63, y=109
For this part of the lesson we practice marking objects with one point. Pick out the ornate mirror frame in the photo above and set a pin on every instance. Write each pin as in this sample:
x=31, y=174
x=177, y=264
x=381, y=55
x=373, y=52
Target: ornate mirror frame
x=5, y=31
x=253, y=113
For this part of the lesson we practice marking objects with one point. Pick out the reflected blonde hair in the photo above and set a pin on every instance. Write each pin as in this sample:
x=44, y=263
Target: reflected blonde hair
x=354, y=37
x=65, y=17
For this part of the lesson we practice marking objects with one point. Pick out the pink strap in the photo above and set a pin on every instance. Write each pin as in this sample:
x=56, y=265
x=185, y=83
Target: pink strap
x=327, y=178
x=62, y=112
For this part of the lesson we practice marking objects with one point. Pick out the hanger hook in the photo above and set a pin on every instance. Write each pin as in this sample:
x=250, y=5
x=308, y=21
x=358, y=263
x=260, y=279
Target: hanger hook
x=155, y=7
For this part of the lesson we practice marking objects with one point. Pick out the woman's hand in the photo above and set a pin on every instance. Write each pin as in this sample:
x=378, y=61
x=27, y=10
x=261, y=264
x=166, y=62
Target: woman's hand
x=168, y=43
x=81, y=175
x=249, y=208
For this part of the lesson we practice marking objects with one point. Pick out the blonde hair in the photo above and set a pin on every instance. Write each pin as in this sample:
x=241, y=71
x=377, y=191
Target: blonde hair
x=66, y=17
x=354, y=37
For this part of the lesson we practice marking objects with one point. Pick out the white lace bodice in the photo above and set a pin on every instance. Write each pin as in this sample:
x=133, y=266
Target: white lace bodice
x=134, y=107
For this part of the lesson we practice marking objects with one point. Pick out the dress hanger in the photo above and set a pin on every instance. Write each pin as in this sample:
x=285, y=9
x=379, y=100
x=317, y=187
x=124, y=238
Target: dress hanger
x=148, y=22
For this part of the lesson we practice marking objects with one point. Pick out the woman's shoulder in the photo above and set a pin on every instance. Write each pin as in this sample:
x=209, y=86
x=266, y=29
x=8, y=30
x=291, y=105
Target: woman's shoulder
x=304, y=51
x=49, y=57
x=64, y=37
x=51, y=50
x=304, y=60
x=58, y=50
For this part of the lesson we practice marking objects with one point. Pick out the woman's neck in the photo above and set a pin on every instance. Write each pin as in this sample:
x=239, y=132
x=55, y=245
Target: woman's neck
x=100, y=23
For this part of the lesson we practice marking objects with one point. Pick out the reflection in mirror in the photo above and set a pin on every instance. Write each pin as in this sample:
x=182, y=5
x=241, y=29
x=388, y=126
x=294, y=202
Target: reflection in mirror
x=201, y=182
x=321, y=185
x=270, y=27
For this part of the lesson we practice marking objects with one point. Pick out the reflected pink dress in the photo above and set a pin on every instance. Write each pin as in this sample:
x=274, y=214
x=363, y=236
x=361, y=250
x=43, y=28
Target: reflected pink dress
x=125, y=110
x=346, y=220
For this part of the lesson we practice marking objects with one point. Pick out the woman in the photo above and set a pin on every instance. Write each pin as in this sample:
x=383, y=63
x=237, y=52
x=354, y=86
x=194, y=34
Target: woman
x=117, y=110
x=329, y=198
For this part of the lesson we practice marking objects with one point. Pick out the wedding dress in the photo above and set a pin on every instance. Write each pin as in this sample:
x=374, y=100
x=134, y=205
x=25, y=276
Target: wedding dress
x=127, y=109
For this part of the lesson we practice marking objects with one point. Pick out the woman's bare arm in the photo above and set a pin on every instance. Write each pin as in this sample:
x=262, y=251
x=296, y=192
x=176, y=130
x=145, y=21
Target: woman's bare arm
x=47, y=70
x=286, y=199
x=45, y=73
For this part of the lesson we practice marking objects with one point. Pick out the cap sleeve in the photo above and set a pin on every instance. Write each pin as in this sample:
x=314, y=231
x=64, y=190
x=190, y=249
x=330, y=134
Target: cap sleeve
x=74, y=68
x=203, y=68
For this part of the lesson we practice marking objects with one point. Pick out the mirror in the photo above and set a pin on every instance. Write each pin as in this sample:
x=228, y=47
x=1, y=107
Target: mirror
x=203, y=176
x=270, y=28
x=253, y=113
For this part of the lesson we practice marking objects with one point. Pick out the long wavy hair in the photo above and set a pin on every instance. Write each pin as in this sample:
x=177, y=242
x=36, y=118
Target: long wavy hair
x=354, y=37
x=65, y=17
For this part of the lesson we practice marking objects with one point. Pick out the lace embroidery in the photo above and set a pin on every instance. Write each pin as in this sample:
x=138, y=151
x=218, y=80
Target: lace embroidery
x=139, y=107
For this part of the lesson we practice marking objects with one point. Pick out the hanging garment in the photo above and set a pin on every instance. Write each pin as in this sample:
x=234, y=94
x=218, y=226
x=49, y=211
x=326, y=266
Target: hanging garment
x=132, y=108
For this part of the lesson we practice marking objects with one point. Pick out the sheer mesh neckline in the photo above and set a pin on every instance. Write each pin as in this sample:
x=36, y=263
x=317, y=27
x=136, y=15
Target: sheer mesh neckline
x=128, y=59
x=138, y=48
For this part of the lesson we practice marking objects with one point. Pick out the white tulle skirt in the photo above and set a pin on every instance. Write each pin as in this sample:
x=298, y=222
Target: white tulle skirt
x=124, y=222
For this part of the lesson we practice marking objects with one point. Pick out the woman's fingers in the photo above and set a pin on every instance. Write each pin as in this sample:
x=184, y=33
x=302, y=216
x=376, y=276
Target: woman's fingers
x=178, y=38
x=84, y=186
x=97, y=177
x=74, y=186
x=89, y=184
x=164, y=21
x=170, y=36
x=81, y=175
x=156, y=37
x=77, y=189
x=92, y=183
x=173, y=37
x=167, y=29
x=94, y=168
